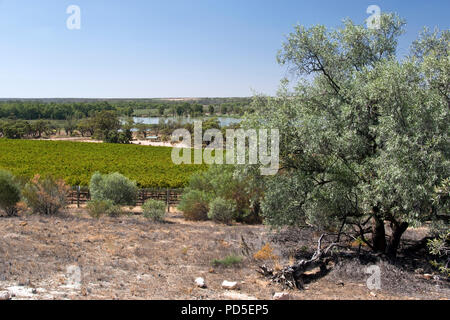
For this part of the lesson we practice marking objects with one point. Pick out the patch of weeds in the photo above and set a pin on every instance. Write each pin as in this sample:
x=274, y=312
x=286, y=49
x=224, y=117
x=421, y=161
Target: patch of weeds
x=228, y=261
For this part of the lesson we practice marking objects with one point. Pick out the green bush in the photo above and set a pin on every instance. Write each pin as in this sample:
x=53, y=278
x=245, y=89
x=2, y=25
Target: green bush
x=154, y=209
x=228, y=261
x=115, y=187
x=221, y=210
x=9, y=193
x=222, y=181
x=194, y=205
x=46, y=196
x=97, y=208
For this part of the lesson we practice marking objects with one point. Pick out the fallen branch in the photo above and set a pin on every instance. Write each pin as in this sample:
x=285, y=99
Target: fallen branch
x=293, y=276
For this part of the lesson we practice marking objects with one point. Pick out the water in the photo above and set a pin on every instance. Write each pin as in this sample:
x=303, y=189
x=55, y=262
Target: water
x=223, y=121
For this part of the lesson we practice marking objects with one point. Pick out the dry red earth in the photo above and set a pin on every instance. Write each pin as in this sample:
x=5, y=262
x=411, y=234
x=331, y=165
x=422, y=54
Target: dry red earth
x=132, y=258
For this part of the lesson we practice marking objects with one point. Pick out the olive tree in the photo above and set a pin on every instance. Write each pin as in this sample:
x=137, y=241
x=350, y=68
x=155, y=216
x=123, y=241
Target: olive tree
x=364, y=135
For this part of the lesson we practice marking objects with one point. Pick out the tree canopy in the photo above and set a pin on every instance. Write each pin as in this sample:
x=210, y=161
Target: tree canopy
x=364, y=134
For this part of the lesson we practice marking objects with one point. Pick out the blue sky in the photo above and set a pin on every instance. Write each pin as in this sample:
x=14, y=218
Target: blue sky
x=168, y=48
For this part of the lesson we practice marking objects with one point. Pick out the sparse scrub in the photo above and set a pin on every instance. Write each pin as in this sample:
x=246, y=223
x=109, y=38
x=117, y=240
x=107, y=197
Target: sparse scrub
x=221, y=181
x=97, y=208
x=154, y=210
x=115, y=187
x=228, y=261
x=194, y=205
x=46, y=196
x=9, y=193
x=221, y=210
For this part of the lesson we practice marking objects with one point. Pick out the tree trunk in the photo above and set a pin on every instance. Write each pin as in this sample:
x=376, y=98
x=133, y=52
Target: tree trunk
x=397, y=231
x=378, y=235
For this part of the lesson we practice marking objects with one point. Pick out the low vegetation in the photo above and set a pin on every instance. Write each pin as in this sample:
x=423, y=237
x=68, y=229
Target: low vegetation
x=228, y=261
x=194, y=205
x=221, y=210
x=114, y=187
x=76, y=162
x=98, y=208
x=45, y=195
x=154, y=210
x=9, y=193
x=236, y=196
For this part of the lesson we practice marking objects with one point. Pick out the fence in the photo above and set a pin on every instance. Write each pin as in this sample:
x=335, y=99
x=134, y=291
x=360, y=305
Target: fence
x=80, y=195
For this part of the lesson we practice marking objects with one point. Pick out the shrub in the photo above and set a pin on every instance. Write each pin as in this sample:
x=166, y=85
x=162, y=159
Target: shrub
x=194, y=205
x=97, y=208
x=266, y=253
x=115, y=187
x=45, y=195
x=229, y=261
x=154, y=209
x=9, y=193
x=221, y=210
x=224, y=182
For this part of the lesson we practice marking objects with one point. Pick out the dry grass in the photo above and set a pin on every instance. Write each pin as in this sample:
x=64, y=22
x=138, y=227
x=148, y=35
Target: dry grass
x=130, y=257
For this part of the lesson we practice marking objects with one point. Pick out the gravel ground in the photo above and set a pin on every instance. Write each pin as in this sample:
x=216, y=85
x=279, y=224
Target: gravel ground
x=73, y=256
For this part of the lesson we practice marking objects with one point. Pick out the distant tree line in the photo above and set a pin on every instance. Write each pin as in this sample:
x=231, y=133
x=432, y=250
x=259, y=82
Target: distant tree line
x=67, y=109
x=33, y=110
x=103, y=125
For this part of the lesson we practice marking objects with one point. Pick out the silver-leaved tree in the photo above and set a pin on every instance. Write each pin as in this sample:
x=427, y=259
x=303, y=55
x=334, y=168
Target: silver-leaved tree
x=364, y=133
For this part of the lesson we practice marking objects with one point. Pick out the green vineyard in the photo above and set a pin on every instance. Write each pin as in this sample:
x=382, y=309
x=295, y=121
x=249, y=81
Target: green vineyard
x=75, y=162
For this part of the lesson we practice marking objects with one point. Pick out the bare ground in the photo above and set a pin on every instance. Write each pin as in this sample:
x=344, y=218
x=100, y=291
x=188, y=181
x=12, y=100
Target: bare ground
x=130, y=257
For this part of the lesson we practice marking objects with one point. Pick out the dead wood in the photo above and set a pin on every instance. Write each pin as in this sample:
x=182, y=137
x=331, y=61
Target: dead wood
x=293, y=276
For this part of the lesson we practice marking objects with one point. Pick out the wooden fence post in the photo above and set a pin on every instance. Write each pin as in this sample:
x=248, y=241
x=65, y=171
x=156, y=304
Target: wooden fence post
x=78, y=196
x=168, y=200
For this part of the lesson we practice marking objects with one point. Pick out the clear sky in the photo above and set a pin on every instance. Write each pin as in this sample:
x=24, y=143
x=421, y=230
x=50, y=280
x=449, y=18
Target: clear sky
x=169, y=48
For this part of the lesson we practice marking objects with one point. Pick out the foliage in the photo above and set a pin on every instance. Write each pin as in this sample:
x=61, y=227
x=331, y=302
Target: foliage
x=221, y=210
x=107, y=127
x=115, y=187
x=440, y=247
x=440, y=244
x=154, y=210
x=97, y=208
x=9, y=193
x=45, y=196
x=365, y=138
x=228, y=261
x=194, y=205
x=63, y=109
x=75, y=162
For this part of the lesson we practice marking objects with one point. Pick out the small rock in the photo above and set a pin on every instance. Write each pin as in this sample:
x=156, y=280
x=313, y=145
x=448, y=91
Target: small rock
x=281, y=296
x=428, y=276
x=229, y=285
x=4, y=295
x=373, y=294
x=200, y=282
